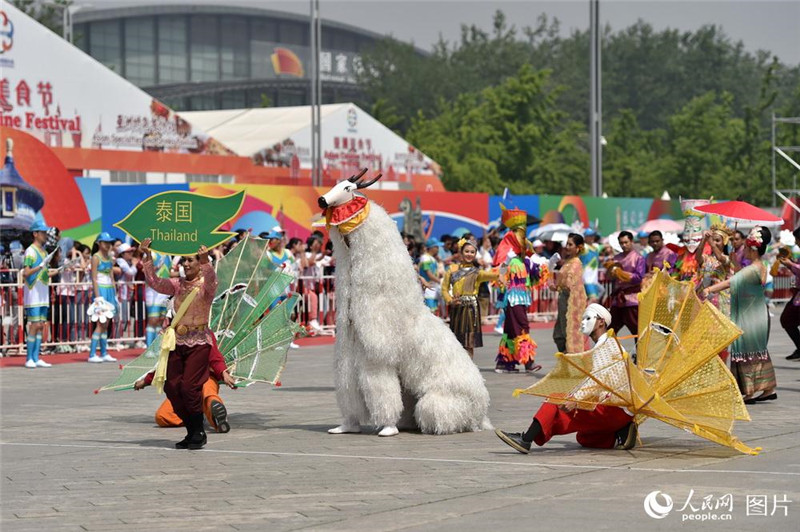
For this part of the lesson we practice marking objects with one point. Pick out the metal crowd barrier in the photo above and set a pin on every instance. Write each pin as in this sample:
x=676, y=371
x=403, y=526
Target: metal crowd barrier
x=68, y=328
x=783, y=286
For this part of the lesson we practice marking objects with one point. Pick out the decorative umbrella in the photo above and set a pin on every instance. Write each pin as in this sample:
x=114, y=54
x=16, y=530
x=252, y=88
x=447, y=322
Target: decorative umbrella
x=546, y=232
x=663, y=225
x=677, y=378
x=741, y=212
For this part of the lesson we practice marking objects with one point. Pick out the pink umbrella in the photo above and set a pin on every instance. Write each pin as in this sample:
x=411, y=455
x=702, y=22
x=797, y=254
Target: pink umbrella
x=741, y=211
x=663, y=225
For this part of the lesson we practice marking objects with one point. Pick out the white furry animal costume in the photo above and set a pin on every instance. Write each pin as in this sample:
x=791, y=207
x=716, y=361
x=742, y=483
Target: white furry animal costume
x=396, y=363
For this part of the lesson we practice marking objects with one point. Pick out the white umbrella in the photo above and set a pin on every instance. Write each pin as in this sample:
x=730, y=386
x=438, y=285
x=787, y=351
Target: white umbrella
x=546, y=232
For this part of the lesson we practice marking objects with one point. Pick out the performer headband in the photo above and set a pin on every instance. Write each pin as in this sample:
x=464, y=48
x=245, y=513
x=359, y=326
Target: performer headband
x=723, y=231
x=463, y=242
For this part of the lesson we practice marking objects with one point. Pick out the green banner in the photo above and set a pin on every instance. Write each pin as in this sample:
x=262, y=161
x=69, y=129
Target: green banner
x=180, y=222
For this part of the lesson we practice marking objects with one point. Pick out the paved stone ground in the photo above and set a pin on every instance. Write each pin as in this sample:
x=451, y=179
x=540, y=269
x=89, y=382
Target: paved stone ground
x=72, y=460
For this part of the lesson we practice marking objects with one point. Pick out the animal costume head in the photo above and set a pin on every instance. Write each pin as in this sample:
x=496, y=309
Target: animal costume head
x=344, y=208
x=693, y=228
x=516, y=221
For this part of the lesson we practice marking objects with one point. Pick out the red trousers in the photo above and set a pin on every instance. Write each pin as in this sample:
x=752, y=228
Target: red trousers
x=187, y=372
x=595, y=428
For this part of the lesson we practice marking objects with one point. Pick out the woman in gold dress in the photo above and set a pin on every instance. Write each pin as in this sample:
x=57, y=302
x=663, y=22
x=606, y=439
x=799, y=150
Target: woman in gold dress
x=460, y=291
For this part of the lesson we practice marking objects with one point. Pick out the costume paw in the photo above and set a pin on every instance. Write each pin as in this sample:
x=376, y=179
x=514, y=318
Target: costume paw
x=389, y=430
x=345, y=429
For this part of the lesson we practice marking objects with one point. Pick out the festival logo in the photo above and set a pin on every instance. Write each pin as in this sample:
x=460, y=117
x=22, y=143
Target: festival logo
x=352, y=118
x=654, y=508
x=285, y=61
x=6, y=33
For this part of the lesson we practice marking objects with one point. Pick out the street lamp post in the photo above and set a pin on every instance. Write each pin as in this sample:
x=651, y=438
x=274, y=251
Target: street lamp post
x=66, y=18
x=596, y=100
x=316, y=96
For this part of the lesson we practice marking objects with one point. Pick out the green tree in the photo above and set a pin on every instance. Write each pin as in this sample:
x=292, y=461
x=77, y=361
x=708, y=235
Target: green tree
x=633, y=159
x=702, y=141
x=505, y=136
x=396, y=73
x=386, y=113
x=50, y=14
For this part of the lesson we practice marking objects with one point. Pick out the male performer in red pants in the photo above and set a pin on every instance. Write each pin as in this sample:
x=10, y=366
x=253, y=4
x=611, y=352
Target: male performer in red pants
x=187, y=366
x=605, y=427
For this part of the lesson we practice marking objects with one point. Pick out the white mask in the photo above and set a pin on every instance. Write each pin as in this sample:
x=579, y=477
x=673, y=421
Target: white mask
x=588, y=321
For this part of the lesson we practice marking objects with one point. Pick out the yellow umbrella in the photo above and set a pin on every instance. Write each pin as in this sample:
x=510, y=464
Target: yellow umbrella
x=677, y=378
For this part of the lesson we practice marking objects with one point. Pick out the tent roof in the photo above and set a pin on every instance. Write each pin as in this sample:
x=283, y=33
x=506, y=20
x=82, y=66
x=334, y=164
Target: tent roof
x=248, y=131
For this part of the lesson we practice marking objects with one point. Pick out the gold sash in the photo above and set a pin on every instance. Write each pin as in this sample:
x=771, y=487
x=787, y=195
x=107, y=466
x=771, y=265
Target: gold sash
x=168, y=342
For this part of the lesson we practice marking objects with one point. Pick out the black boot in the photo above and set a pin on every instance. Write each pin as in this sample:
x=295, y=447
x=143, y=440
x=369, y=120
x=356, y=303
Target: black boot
x=220, y=416
x=197, y=439
x=184, y=443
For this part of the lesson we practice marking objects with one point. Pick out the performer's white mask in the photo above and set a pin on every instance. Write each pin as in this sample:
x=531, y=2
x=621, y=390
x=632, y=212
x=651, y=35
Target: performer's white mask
x=593, y=313
x=588, y=322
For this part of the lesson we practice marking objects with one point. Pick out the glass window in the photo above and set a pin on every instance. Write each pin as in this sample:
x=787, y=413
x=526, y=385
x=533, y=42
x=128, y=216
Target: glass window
x=209, y=178
x=80, y=37
x=291, y=97
x=203, y=102
x=344, y=41
x=177, y=103
x=125, y=176
x=327, y=38
x=293, y=33
x=235, y=48
x=172, y=59
x=261, y=97
x=233, y=100
x=105, y=44
x=264, y=30
x=140, y=50
x=204, y=51
x=9, y=201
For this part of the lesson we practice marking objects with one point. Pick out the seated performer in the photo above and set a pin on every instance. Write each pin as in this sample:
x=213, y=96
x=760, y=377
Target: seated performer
x=213, y=407
x=184, y=372
x=605, y=427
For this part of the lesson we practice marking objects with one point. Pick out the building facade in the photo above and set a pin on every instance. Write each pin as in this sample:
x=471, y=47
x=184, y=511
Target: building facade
x=222, y=57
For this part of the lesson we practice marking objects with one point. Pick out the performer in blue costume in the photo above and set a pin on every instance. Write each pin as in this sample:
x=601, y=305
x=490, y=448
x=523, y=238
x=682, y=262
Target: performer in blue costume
x=104, y=290
x=36, y=293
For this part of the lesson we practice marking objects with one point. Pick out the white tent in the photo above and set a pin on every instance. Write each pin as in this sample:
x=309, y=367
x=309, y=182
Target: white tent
x=351, y=138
